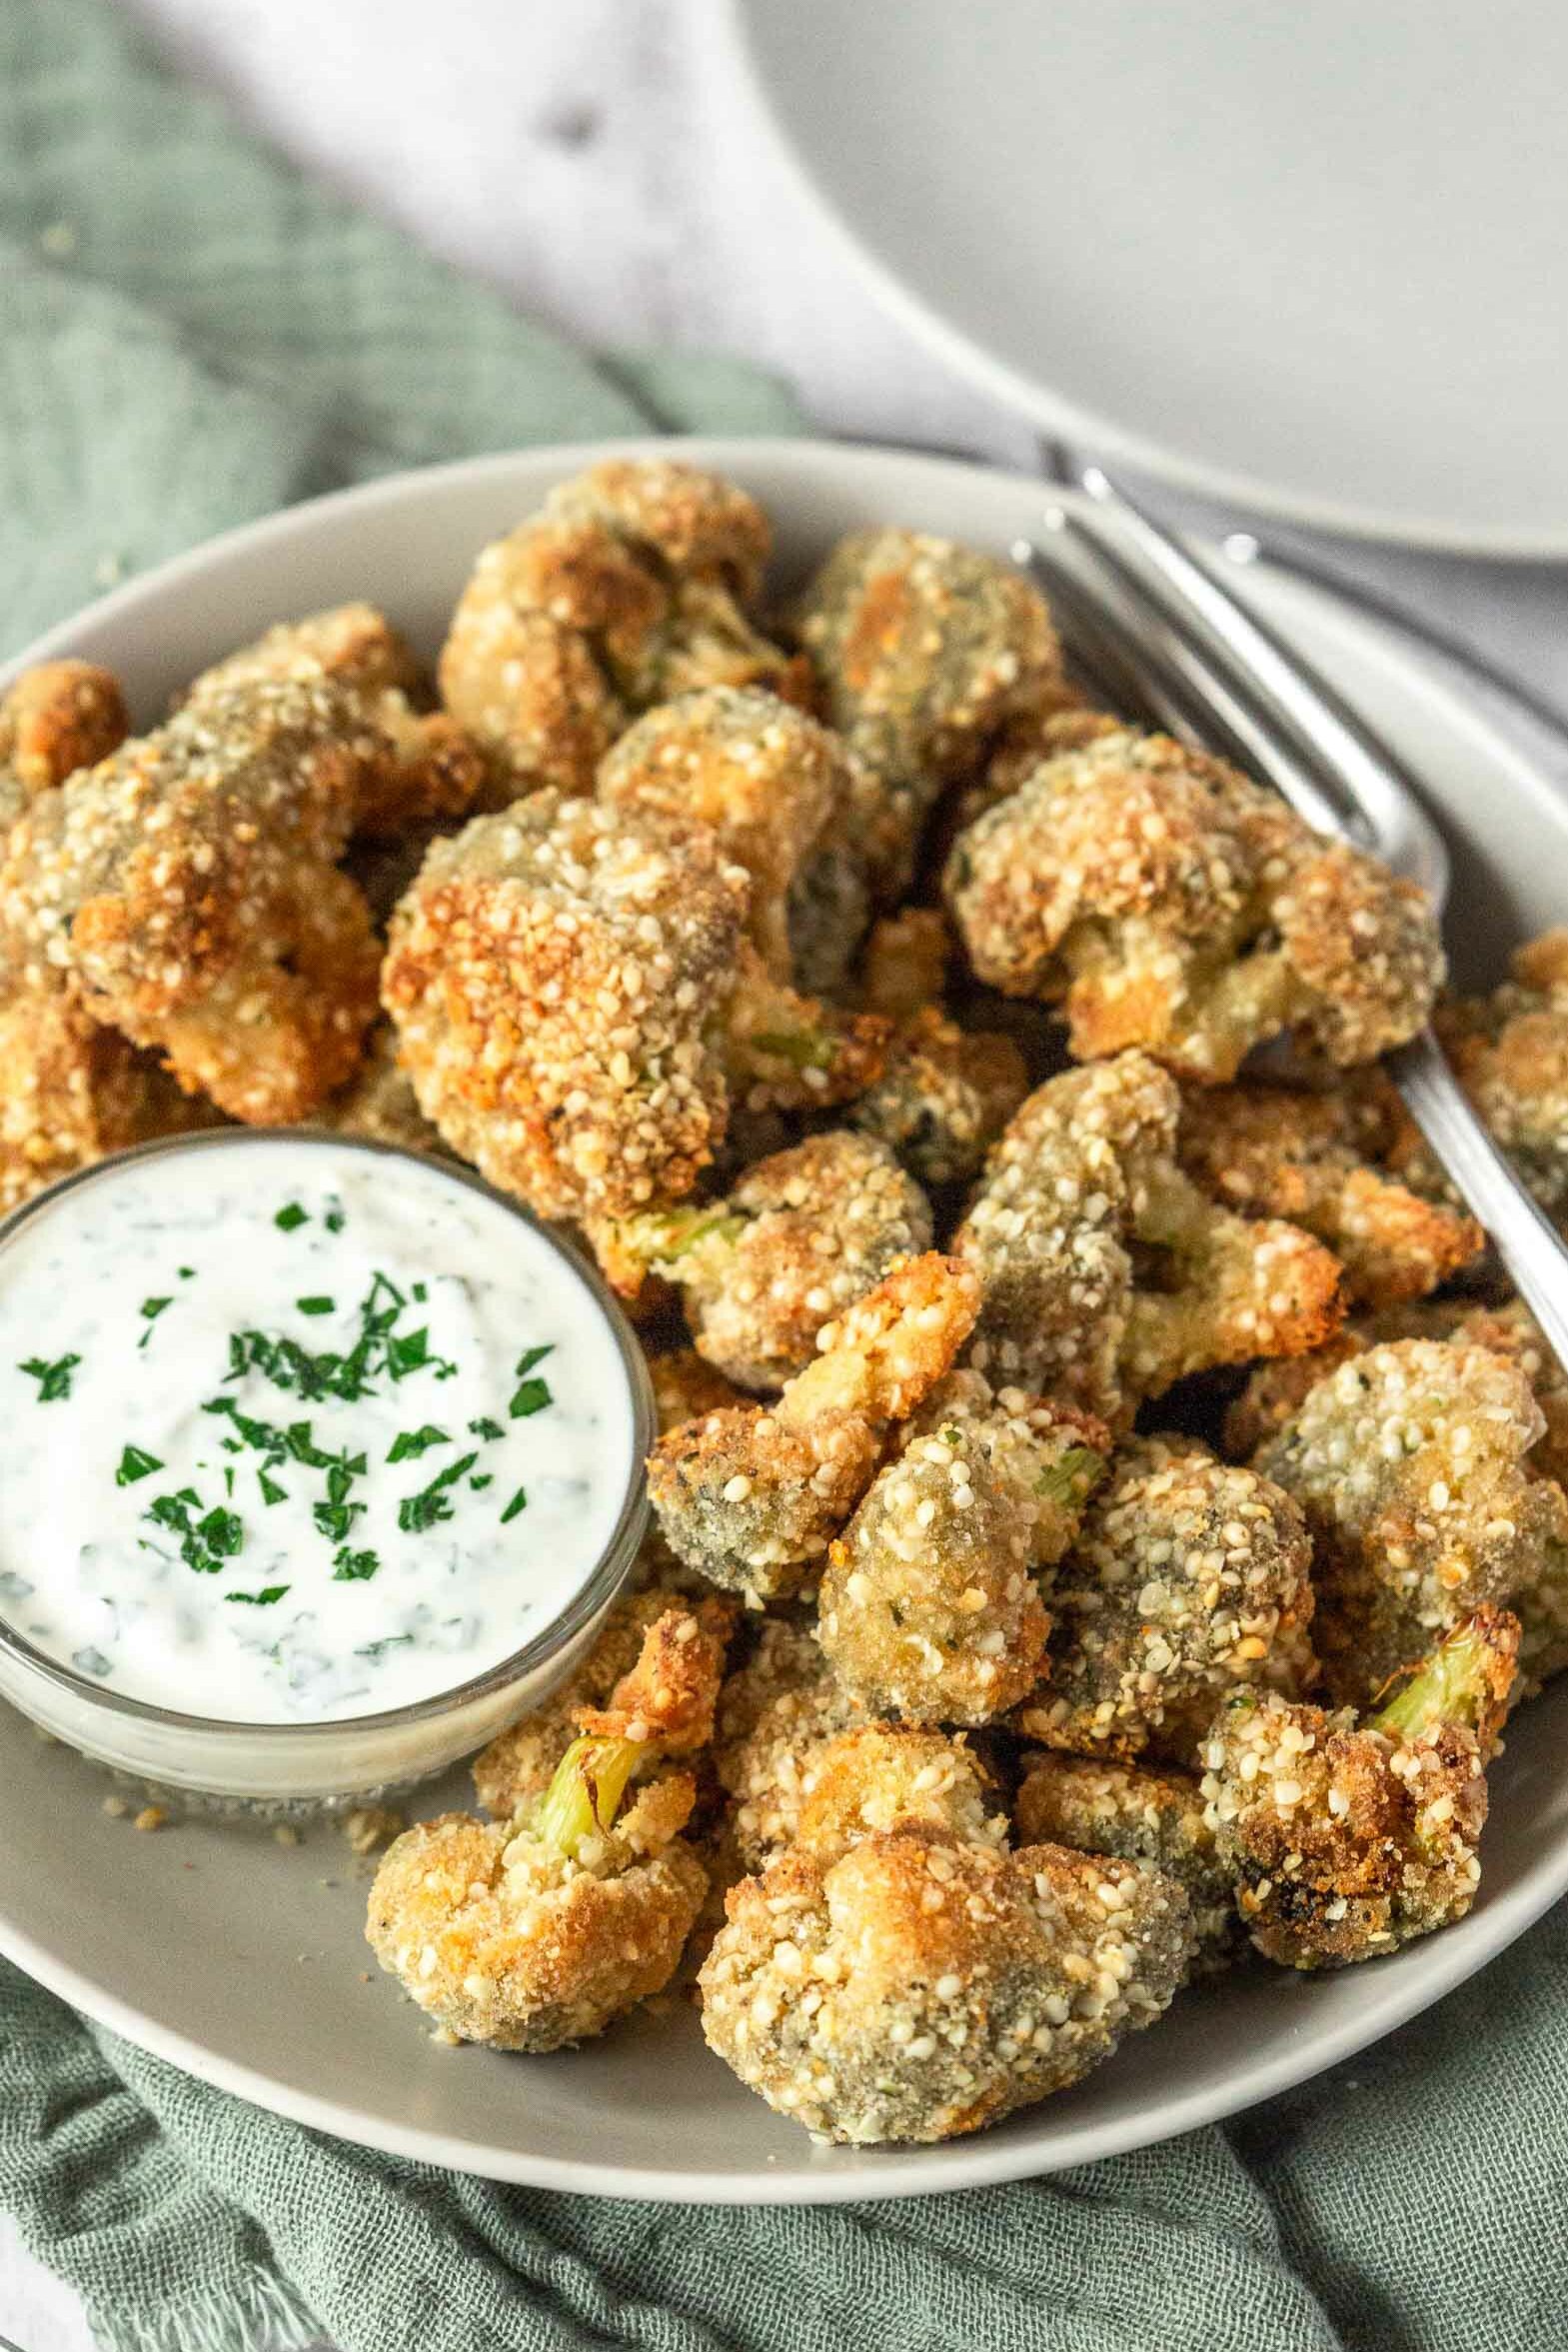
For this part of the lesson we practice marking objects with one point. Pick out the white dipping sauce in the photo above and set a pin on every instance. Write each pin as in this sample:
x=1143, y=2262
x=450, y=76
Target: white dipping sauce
x=390, y=1430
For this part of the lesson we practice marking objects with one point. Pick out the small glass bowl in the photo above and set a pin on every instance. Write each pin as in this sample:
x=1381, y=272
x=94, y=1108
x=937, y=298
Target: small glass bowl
x=289, y=1767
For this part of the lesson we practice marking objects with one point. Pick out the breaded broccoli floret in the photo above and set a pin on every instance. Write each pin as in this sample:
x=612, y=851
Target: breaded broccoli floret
x=776, y=1715
x=1188, y=1578
x=903, y=966
x=1141, y=1814
x=1165, y=900
x=922, y=651
x=437, y=771
x=1277, y=1151
x=1411, y=1464
x=944, y=1096
x=627, y=589
x=379, y=1102
x=56, y=718
x=188, y=887
x=752, y=1497
x=801, y=1236
x=1349, y=1838
x=920, y=1987
x=1107, y=1274
x=684, y=1387
x=1511, y=1053
x=541, y=1930
x=933, y=1601
x=882, y=1776
x=787, y=801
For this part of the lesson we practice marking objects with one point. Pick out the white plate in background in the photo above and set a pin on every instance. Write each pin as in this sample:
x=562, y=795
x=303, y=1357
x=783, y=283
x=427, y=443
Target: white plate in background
x=242, y=1960
x=1307, y=259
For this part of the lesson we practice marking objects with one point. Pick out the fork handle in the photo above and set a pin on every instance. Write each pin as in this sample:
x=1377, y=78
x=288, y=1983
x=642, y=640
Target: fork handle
x=1525, y=1241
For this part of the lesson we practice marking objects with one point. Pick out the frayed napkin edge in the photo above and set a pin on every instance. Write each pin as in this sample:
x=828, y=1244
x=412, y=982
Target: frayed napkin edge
x=258, y=2313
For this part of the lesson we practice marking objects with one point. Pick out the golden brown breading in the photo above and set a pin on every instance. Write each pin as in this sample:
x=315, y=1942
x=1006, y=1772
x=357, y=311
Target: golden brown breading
x=933, y=1599
x=785, y=798
x=943, y=1099
x=669, y=1694
x=627, y=589
x=684, y=1387
x=922, y=651
x=776, y=1715
x=380, y=1103
x=1349, y=1839
x=1188, y=1578
x=188, y=886
x=1411, y=1464
x=1167, y=902
x=803, y=1234
x=1141, y=1814
x=1107, y=1274
x=1277, y=1151
x=752, y=1497
x=903, y=968
x=918, y=1986
x=56, y=718
x=882, y=1776
x=436, y=773
x=1511, y=1053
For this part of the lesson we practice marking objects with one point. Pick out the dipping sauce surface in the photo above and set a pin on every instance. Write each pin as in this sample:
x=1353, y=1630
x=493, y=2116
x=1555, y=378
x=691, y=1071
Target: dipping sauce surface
x=291, y=1431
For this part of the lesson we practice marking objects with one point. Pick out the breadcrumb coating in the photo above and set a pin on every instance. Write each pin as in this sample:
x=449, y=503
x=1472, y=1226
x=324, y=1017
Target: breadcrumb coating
x=1277, y=1151
x=1141, y=1814
x=920, y=1987
x=1107, y=1274
x=752, y=1497
x=1347, y=1840
x=882, y=1776
x=786, y=798
x=556, y=975
x=187, y=885
x=1411, y=1464
x=380, y=1103
x=903, y=967
x=1165, y=900
x=922, y=651
x=627, y=589
x=944, y=1096
x=56, y=718
x=1511, y=1053
x=778, y=1714
x=804, y=1233
x=684, y=1387
x=1190, y=1578
x=933, y=1601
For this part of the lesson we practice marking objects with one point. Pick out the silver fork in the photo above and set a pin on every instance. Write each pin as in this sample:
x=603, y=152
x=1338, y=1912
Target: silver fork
x=1155, y=627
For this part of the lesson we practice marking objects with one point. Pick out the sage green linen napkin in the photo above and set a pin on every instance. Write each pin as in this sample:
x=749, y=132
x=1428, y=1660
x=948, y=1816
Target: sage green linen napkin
x=190, y=336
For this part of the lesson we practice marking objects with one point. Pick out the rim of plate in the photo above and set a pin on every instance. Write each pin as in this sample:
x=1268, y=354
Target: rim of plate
x=1445, y=1961
x=1054, y=412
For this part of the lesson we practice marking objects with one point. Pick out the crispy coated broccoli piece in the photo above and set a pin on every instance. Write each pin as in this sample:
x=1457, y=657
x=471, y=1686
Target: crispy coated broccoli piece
x=776, y=1716
x=934, y=1602
x=436, y=773
x=903, y=968
x=752, y=1497
x=380, y=1102
x=1188, y=1578
x=803, y=1236
x=1411, y=1464
x=1167, y=902
x=882, y=1776
x=944, y=1096
x=627, y=589
x=922, y=651
x=1140, y=1814
x=57, y=718
x=541, y=1930
x=1348, y=1840
x=1511, y=1052
x=188, y=887
x=786, y=799
x=1276, y=1152
x=919, y=1985
x=1107, y=1274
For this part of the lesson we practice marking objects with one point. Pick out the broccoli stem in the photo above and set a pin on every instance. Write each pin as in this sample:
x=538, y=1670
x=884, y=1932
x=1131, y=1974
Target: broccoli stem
x=585, y=1796
x=665, y=1237
x=1071, y=1478
x=1451, y=1685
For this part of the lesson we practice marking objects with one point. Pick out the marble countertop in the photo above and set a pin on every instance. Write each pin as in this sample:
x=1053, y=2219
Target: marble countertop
x=598, y=162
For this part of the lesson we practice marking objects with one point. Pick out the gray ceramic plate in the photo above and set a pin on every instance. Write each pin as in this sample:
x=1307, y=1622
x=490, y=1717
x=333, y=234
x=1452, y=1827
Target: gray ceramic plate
x=1305, y=257
x=242, y=1960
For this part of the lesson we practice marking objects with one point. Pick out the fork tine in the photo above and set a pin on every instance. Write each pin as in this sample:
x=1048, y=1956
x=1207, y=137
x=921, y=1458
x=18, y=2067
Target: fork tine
x=1289, y=698
x=1105, y=658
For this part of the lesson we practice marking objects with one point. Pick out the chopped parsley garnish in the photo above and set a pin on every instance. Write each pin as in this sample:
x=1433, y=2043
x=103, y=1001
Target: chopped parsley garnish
x=334, y=1221
x=54, y=1380
x=419, y=1293
x=407, y=1355
x=205, y=1544
x=260, y=1600
x=408, y=1445
x=270, y=1491
x=519, y=1502
x=532, y=1355
x=151, y=1310
x=417, y=1512
x=134, y=1465
x=290, y=1218
x=529, y=1398
x=351, y=1567
x=187, y=1273
x=317, y=1304
x=477, y=1485
x=486, y=1427
x=374, y=1649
